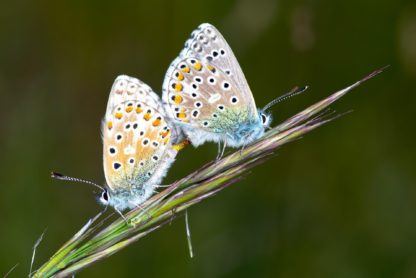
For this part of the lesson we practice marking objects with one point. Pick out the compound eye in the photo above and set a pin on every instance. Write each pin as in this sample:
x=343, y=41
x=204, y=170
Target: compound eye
x=105, y=196
x=263, y=118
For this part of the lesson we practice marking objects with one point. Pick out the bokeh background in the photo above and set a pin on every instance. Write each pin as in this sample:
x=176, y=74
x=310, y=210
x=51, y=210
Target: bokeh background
x=341, y=202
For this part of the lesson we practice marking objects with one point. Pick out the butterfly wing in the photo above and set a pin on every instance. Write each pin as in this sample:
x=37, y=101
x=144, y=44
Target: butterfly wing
x=207, y=44
x=202, y=96
x=127, y=88
x=205, y=88
x=137, y=148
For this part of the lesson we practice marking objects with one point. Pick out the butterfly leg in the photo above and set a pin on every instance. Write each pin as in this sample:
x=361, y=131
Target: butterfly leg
x=242, y=149
x=219, y=151
x=223, y=149
x=122, y=216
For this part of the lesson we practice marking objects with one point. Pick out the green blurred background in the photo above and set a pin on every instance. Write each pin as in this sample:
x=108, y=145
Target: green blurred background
x=338, y=203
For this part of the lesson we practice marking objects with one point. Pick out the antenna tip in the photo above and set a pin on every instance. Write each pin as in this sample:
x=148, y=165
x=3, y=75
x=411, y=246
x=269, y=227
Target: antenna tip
x=56, y=175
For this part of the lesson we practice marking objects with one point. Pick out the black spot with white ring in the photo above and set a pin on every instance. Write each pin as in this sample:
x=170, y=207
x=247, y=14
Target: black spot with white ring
x=112, y=150
x=116, y=165
x=226, y=85
x=198, y=104
x=234, y=99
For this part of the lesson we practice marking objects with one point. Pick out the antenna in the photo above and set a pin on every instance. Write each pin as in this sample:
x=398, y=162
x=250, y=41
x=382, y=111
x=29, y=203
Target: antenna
x=295, y=91
x=61, y=177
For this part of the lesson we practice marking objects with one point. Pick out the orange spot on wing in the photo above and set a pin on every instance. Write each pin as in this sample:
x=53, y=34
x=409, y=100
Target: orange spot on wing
x=180, y=76
x=119, y=115
x=166, y=141
x=198, y=66
x=186, y=69
x=178, y=99
x=178, y=87
x=147, y=116
x=110, y=125
x=129, y=109
x=211, y=68
x=156, y=122
x=181, y=115
x=165, y=133
x=139, y=110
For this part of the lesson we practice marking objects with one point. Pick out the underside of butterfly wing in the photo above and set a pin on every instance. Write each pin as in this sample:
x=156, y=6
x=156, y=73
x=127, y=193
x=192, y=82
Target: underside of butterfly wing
x=206, y=102
x=208, y=45
x=137, y=143
x=206, y=92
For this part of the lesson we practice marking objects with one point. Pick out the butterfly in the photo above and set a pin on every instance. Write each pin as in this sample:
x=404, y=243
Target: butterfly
x=138, y=145
x=207, y=95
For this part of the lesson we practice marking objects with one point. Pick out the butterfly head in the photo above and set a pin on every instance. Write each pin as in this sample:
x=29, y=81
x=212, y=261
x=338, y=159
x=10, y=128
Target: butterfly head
x=249, y=132
x=121, y=199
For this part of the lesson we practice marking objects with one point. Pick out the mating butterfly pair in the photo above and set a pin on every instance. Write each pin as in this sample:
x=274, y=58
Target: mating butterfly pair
x=205, y=98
